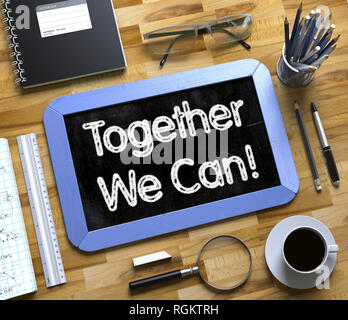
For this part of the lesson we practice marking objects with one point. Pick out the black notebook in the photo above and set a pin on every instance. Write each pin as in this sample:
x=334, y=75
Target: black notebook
x=54, y=40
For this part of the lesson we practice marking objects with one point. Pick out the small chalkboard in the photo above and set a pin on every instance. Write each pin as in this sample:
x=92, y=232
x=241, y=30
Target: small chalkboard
x=155, y=156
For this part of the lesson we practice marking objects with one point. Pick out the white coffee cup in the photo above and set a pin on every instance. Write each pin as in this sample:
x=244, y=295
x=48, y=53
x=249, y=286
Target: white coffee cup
x=328, y=247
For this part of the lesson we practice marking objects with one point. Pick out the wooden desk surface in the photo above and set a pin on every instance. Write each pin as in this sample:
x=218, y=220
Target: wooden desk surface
x=105, y=275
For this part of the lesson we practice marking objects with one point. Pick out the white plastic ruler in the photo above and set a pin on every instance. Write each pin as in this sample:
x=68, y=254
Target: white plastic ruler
x=41, y=210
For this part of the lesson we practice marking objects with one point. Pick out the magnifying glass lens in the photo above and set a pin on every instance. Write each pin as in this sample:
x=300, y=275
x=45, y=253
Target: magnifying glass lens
x=224, y=263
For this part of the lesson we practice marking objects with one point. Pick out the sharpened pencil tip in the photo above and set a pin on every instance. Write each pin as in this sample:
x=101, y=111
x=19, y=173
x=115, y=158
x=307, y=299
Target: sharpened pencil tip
x=296, y=106
x=313, y=107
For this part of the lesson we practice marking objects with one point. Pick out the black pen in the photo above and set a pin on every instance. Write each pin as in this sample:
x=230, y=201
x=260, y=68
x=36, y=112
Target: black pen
x=308, y=147
x=330, y=161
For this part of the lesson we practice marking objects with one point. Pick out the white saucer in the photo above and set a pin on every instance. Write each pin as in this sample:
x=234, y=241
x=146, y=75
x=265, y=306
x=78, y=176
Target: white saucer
x=274, y=255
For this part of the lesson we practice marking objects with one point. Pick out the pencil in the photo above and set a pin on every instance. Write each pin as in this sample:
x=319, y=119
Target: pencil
x=315, y=33
x=287, y=40
x=320, y=54
x=294, y=41
x=322, y=57
x=310, y=54
x=317, y=25
x=319, y=61
x=309, y=36
x=312, y=15
x=300, y=40
x=326, y=40
x=327, y=33
x=330, y=44
x=321, y=31
x=307, y=147
x=296, y=22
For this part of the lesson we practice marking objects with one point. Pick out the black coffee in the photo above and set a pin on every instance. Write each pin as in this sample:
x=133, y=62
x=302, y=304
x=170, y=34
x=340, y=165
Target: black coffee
x=304, y=249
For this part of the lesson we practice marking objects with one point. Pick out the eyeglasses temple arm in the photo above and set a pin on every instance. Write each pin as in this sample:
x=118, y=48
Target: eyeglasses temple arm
x=170, y=47
x=166, y=34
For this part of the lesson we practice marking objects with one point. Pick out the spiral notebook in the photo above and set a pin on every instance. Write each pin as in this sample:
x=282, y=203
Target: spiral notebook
x=16, y=269
x=54, y=40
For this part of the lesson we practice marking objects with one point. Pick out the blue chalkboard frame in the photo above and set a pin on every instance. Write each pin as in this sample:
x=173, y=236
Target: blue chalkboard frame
x=181, y=219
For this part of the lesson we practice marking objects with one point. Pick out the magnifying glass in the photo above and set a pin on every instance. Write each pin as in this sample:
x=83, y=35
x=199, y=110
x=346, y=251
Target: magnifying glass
x=224, y=263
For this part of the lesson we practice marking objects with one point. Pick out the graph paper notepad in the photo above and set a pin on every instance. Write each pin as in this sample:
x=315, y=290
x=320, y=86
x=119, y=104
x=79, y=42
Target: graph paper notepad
x=16, y=269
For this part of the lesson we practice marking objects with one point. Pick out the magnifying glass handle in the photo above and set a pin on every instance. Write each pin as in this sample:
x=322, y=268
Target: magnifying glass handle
x=177, y=274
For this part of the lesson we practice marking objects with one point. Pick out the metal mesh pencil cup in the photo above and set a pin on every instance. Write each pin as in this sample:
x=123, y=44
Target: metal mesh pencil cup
x=291, y=76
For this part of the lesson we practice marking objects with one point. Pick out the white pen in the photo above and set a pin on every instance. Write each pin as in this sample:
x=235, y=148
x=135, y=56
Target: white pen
x=330, y=161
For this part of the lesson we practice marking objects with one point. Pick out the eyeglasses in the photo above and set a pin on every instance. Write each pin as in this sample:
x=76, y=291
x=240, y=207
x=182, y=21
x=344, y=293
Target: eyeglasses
x=228, y=29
